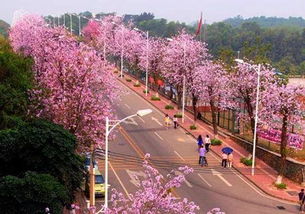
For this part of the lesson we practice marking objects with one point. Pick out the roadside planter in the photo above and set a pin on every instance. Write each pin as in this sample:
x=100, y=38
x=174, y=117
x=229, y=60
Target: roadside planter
x=168, y=107
x=193, y=127
x=178, y=115
x=137, y=84
x=144, y=91
x=128, y=80
x=246, y=161
x=155, y=97
x=280, y=186
x=216, y=142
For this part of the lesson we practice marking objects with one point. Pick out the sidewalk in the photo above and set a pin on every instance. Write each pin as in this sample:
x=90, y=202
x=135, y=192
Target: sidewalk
x=264, y=177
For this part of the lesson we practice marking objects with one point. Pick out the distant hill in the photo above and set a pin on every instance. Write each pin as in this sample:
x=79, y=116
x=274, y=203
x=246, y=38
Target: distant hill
x=262, y=21
x=4, y=27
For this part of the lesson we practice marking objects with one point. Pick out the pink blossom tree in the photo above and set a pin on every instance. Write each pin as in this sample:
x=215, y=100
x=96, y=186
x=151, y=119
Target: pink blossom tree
x=242, y=89
x=155, y=55
x=182, y=55
x=210, y=85
x=154, y=194
x=75, y=89
x=283, y=102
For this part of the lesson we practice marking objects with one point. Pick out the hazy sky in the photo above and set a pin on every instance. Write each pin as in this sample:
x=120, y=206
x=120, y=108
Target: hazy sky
x=181, y=10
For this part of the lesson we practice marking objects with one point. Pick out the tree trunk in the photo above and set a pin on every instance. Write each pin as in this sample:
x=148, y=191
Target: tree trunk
x=194, y=102
x=179, y=98
x=284, y=139
x=214, y=122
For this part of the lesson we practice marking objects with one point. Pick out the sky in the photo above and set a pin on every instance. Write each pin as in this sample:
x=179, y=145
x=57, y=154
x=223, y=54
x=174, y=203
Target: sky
x=175, y=10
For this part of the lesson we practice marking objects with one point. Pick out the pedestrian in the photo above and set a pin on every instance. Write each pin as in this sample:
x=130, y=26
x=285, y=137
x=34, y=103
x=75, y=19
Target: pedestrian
x=230, y=160
x=47, y=210
x=199, y=141
x=207, y=143
x=166, y=120
x=175, y=121
x=224, y=160
x=302, y=200
x=202, y=159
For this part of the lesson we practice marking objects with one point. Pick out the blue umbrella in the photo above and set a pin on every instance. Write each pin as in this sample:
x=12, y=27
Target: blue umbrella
x=227, y=150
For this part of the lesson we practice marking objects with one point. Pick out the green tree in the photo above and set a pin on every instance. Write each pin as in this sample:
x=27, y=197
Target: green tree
x=15, y=81
x=31, y=194
x=42, y=147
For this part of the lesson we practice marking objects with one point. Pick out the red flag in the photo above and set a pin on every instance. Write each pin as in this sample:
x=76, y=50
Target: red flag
x=199, y=26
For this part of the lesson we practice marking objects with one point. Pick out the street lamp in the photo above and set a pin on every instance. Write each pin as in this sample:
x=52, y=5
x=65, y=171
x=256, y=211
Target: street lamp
x=256, y=113
x=140, y=113
x=147, y=47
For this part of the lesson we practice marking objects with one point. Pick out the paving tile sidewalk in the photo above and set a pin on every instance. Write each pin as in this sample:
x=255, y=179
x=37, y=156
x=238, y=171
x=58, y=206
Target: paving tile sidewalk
x=264, y=174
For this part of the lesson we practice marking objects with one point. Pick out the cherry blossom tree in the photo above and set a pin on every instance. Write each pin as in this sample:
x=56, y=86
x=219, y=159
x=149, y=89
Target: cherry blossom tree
x=155, y=55
x=75, y=89
x=283, y=102
x=154, y=194
x=242, y=89
x=182, y=55
x=210, y=85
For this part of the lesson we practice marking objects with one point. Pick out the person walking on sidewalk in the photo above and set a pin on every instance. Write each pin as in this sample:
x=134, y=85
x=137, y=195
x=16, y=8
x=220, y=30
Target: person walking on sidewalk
x=175, y=119
x=199, y=141
x=302, y=200
x=166, y=120
x=224, y=160
x=230, y=160
x=207, y=143
x=202, y=159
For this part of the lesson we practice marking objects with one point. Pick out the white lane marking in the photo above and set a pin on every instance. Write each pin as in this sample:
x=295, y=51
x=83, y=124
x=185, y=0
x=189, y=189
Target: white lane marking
x=219, y=175
x=116, y=175
x=185, y=181
x=134, y=175
x=158, y=135
x=127, y=106
x=205, y=180
x=157, y=121
x=141, y=119
x=131, y=121
x=179, y=156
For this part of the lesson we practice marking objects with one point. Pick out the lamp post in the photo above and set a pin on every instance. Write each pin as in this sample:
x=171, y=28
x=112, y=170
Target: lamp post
x=183, y=92
x=139, y=113
x=146, y=66
x=71, y=24
x=258, y=71
x=79, y=26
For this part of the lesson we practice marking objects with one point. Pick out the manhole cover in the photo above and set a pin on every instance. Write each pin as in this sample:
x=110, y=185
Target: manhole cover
x=281, y=207
x=292, y=193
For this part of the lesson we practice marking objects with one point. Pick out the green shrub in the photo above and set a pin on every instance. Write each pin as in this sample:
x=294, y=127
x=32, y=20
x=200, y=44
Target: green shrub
x=137, y=85
x=144, y=91
x=216, y=142
x=128, y=80
x=281, y=186
x=169, y=107
x=178, y=115
x=155, y=98
x=193, y=127
x=246, y=161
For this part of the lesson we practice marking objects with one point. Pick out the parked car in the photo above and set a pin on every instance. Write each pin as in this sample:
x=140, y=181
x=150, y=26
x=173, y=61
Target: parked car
x=99, y=186
x=87, y=162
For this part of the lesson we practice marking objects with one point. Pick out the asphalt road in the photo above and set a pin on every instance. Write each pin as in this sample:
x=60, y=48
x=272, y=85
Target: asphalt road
x=209, y=187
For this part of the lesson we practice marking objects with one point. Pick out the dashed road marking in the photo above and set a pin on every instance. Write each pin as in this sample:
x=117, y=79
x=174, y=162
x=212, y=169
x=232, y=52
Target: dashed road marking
x=205, y=181
x=158, y=136
x=179, y=156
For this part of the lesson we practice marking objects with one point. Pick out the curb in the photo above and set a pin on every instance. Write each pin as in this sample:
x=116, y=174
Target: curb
x=185, y=129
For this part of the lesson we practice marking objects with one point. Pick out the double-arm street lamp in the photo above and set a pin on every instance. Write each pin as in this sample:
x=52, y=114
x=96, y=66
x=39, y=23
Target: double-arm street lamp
x=258, y=71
